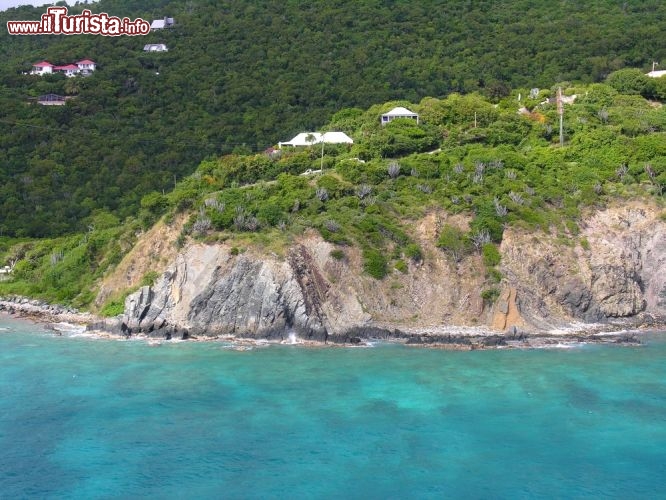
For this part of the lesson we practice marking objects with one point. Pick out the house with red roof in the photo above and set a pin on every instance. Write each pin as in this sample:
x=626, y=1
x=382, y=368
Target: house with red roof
x=69, y=69
x=86, y=66
x=83, y=67
x=42, y=68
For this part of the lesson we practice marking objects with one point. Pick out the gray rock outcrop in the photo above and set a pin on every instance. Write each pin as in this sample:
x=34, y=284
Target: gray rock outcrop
x=616, y=268
x=210, y=292
x=621, y=273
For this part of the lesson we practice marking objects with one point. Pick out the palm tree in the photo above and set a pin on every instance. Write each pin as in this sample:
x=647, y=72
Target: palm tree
x=310, y=139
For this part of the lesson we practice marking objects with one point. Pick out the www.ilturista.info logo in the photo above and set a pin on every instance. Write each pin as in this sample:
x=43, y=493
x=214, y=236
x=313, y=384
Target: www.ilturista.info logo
x=56, y=22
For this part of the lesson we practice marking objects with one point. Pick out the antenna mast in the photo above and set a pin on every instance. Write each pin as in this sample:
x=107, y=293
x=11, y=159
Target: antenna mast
x=560, y=111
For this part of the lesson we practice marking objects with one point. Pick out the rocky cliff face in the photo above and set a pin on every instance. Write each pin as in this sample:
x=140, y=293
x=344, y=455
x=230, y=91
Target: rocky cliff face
x=210, y=292
x=619, y=273
x=616, y=268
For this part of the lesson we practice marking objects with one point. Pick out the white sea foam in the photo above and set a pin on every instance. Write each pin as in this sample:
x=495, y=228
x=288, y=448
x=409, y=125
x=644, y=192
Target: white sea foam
x=574, y=328
x=237, y=347
x=70, y=329
x=82, y=335
x=559, y=345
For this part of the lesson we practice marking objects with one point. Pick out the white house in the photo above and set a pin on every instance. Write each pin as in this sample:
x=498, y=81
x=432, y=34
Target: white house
x=42, y=68
x=86, y=66
x=51, y=100
x=310, y=138
x=399, y=112
x=160, y=24
x=68, y=69
x=155, y=47
x=336, y=138
x=657, y=74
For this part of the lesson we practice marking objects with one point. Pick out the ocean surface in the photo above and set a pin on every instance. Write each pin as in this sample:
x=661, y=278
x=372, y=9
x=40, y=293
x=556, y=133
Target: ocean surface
x=90, y=418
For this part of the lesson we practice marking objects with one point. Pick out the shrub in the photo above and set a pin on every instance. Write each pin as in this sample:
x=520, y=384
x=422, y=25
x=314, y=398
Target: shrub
x=149, y=278
x=154, y=202
x=631, y=81
x=393, y=169
x=269, y=213
x=332, y=226
x=494, y=275
x=480, y=238
x=333, y=186
x=337, y=254
x=201, y=225
x=486, y=219
x=413, y=251
x=401, y=266
x=333, y=232
x=491, y=255
x=363, y=191
x=490, y=295
x=243, y=221
x=452, y=240
x=374, y=263
x=113, y=308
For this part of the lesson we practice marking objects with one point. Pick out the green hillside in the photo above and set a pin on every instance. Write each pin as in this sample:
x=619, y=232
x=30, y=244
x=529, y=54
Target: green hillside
x=494, y=165
x=241, y=76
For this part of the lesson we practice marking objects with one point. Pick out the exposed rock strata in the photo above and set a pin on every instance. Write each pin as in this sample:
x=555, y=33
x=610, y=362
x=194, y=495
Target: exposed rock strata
x=615, y=269
x=210, y=292
x=621, y=273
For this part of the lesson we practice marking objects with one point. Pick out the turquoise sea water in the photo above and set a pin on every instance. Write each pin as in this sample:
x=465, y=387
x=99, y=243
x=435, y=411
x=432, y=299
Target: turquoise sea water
x=83, y=418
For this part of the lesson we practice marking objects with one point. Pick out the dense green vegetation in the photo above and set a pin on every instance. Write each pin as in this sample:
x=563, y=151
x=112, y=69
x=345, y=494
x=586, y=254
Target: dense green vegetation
x=505, y=168
x=495, y=165
x=240, y=76
x=64, y=269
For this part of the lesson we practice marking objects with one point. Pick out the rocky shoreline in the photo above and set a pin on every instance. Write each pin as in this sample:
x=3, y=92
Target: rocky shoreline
x=626, y=332
x=41, y=311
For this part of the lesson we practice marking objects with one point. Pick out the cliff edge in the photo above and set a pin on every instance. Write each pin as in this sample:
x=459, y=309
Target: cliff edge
x=615, y=269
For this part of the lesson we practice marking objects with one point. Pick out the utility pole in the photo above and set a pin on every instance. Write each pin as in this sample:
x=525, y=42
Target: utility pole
x=654, y=63
x=560, y=111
